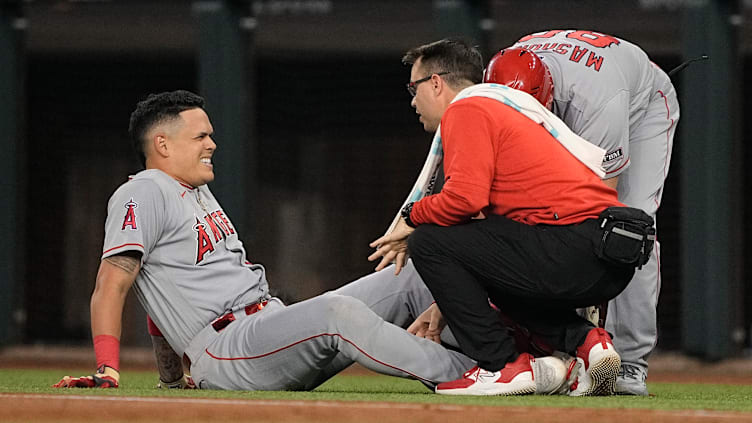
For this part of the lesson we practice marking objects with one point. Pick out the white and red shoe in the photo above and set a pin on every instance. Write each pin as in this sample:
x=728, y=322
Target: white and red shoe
x=516, y=378
x=599, y=364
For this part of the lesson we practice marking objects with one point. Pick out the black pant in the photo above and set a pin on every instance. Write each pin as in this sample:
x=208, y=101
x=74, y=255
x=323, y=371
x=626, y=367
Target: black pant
x=536, y=274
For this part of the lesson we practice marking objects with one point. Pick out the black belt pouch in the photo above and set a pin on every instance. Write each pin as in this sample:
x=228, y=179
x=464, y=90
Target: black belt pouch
x=626, y=236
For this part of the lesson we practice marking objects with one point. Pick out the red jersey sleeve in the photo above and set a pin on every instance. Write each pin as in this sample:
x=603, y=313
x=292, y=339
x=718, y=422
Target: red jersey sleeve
x=468, y=138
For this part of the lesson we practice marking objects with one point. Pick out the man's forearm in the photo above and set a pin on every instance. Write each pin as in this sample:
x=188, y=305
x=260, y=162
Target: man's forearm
x=170, y=366
x=107, y=310
x=114, y=279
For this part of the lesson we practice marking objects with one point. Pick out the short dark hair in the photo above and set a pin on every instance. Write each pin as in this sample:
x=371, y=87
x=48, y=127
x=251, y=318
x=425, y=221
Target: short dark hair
x=463, y=61
x=159, y=108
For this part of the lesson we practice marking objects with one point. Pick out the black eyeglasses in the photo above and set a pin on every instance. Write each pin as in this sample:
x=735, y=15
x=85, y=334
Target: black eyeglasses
x=411, y=86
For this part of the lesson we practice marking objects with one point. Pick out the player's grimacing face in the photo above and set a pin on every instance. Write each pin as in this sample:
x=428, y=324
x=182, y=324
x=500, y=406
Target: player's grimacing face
x=192, y=148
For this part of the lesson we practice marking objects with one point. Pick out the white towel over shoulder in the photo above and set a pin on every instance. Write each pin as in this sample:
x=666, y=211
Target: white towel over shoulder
x=589, y=154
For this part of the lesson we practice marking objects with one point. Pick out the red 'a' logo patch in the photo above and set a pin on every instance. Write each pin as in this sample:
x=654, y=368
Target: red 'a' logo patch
x=205, y=245
x=130, y=215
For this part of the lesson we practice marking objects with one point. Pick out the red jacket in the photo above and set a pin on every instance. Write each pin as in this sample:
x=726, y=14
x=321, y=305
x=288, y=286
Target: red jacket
x=498, y=161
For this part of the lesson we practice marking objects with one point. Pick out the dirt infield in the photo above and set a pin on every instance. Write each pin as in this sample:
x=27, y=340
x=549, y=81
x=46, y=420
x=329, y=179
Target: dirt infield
x=69, y=408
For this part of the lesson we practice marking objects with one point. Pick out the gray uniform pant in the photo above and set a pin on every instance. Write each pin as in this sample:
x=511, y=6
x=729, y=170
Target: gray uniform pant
x=632, y=315
x=300, y=346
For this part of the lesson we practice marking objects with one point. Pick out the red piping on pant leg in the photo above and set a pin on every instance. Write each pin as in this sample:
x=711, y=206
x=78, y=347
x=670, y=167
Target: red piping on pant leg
x=308, y=339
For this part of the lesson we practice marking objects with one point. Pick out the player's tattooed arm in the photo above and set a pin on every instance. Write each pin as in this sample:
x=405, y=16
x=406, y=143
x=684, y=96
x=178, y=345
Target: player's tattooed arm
x=130, y=261
x=168, y=363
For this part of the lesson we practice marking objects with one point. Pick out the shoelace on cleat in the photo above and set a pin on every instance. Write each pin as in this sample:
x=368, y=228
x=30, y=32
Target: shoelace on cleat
x=472, y=372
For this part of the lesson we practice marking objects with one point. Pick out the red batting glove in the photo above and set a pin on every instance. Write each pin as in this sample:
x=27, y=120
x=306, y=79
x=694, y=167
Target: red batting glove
x=105, y=377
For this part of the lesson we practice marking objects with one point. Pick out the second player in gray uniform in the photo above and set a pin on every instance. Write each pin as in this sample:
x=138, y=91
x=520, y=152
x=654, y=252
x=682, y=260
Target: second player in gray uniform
x=608, y=91
x=168, y=238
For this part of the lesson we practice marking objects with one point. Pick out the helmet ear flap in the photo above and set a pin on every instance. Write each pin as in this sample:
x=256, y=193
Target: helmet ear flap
x=523, y=70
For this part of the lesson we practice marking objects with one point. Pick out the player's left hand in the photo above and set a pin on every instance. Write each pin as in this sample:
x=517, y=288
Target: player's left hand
x=429, y=324
x=392, y=247
x=105, y=377
x=185, y=382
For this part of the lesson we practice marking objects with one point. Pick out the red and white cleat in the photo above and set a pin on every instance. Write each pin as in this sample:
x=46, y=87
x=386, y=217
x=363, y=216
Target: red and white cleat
x=516, y=378
x=599, y=365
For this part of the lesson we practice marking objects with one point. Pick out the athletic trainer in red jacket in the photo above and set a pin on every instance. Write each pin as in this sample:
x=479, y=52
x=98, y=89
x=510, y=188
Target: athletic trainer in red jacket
x=532, y=255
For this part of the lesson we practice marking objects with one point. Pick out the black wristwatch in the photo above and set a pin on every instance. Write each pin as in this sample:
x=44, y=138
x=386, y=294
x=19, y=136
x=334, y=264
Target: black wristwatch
x=406, y=214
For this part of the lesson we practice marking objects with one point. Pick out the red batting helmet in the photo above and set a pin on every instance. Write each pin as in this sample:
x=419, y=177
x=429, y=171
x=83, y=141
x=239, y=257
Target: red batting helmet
x=522, y=70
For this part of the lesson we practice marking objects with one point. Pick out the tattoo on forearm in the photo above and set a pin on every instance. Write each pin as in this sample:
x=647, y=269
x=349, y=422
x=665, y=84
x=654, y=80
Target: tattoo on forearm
x=127, y=263
x=169, y=364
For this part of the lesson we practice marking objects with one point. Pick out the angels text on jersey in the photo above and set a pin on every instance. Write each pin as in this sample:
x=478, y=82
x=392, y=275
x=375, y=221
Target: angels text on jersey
x=218, y=225
x=220, y=228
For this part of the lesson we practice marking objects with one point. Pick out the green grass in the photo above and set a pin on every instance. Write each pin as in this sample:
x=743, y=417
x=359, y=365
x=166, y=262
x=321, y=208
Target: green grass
x=348, y=387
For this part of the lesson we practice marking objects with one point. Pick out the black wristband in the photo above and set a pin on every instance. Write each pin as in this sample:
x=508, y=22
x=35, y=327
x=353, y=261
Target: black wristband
x=405, y=212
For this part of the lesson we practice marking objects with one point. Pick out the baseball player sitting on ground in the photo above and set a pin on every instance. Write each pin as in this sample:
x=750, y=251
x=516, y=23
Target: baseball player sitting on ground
x=608, y=92
x=547, y=243
x=168, y=238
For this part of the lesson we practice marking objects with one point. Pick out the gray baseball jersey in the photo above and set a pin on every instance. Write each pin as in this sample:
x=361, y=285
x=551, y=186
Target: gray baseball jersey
x=608, y=91
x=602, y=85
x=194, y=267
x=194, y=270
